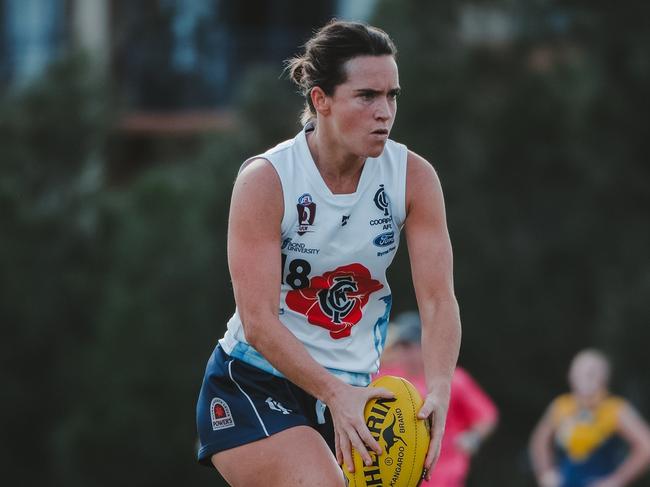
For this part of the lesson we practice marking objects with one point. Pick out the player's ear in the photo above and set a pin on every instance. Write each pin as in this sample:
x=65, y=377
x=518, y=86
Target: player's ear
x=320, y=100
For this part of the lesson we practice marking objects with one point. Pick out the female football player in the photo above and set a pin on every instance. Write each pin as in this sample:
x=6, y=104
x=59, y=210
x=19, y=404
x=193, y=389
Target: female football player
x=314, y=224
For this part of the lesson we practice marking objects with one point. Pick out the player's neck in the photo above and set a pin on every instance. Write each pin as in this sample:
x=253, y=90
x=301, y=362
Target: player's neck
x=339, y=169
x=593, y=400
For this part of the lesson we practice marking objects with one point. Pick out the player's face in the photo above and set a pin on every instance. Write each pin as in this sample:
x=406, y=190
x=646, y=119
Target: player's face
x=588, y=376
x=363, y=108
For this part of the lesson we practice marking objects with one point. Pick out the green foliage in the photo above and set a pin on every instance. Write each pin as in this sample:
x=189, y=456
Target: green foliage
x=268, y=107
x=165, y=300
x=112, y=298
x=546, y=180
x=50, y=255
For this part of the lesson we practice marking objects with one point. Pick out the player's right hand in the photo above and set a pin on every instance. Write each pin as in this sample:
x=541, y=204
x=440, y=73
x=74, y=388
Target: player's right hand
x=350, y=431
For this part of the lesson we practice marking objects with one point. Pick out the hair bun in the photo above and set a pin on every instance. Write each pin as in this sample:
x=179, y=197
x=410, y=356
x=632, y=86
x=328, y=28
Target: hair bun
x=321, y=63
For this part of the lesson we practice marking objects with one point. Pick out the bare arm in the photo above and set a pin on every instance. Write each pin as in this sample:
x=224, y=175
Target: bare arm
x=432, y=270
x=541, y=451
x=635, y=431
x=254, y=261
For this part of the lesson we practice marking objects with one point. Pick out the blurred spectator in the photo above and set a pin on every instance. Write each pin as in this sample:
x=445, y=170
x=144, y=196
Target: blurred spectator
x=589, y=428
x=472, y=415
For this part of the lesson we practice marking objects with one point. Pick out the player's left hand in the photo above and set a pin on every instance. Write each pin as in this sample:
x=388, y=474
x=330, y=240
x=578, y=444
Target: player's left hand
x=435, y=408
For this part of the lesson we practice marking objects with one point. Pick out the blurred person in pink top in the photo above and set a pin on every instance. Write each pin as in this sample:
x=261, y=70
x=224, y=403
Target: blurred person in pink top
x=472, y=415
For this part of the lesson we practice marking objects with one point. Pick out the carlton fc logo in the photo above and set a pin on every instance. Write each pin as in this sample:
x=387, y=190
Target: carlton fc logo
x=381, y=200
x=334, y=302
x=306, y=213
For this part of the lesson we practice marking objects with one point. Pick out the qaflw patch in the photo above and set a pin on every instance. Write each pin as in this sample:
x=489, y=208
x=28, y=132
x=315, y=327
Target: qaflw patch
x=220, y=414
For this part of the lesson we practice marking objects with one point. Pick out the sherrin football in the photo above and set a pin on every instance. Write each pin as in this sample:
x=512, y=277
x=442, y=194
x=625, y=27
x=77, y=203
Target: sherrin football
x=404, y=438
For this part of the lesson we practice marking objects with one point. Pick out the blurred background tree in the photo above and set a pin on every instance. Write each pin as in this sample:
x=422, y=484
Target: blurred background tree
x=114, y=285
x=51, y=255
x=542, y=149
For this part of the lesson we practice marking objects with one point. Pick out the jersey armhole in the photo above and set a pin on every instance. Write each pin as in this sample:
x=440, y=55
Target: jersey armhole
x=402, y=169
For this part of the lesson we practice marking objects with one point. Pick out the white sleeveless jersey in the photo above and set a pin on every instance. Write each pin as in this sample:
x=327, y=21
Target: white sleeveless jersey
x=335, y=251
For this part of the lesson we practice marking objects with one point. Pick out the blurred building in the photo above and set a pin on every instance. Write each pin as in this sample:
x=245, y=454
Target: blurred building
x=175, y=64
x=164, y=55
x=33, y=33
x=187, y=55
x=486, y=24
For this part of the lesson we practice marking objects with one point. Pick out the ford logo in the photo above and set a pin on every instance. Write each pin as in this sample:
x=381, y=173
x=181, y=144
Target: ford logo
x=385, y=239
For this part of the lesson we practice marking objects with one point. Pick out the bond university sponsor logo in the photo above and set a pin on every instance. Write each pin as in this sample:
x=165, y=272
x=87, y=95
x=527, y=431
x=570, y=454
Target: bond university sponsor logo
x=301, y=248
x=306, y=213
x=335, y=300
x=220, y=414
x=277, y=406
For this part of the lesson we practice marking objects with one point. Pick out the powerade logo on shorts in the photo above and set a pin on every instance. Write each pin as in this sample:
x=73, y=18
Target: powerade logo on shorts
x=385, y=239
x=220, y=414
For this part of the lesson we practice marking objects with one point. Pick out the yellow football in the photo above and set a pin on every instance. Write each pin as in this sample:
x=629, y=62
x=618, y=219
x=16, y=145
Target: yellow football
x=403, y=438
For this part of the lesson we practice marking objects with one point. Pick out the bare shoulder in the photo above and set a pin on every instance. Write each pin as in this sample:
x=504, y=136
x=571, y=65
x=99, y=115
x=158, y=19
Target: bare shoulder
x=422, y=182
x=418, y=165
x=258, y=174
x=420, y=174
x=258, y=187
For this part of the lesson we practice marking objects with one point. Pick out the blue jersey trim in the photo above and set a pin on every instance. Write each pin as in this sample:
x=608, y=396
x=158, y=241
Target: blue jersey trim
x=247, y=354
x=380, y=329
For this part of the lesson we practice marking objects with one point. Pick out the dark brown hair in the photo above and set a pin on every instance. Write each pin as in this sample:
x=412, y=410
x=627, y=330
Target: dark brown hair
x=327, y=51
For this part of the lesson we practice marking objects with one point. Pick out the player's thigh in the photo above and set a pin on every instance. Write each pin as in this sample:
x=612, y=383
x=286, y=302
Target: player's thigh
x=297, y=456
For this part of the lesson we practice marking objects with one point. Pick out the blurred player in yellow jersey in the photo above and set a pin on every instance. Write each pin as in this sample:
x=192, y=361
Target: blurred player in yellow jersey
x=589, y=438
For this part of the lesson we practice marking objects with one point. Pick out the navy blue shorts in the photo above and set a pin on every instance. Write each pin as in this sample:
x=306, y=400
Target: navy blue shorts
x=239, y=404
